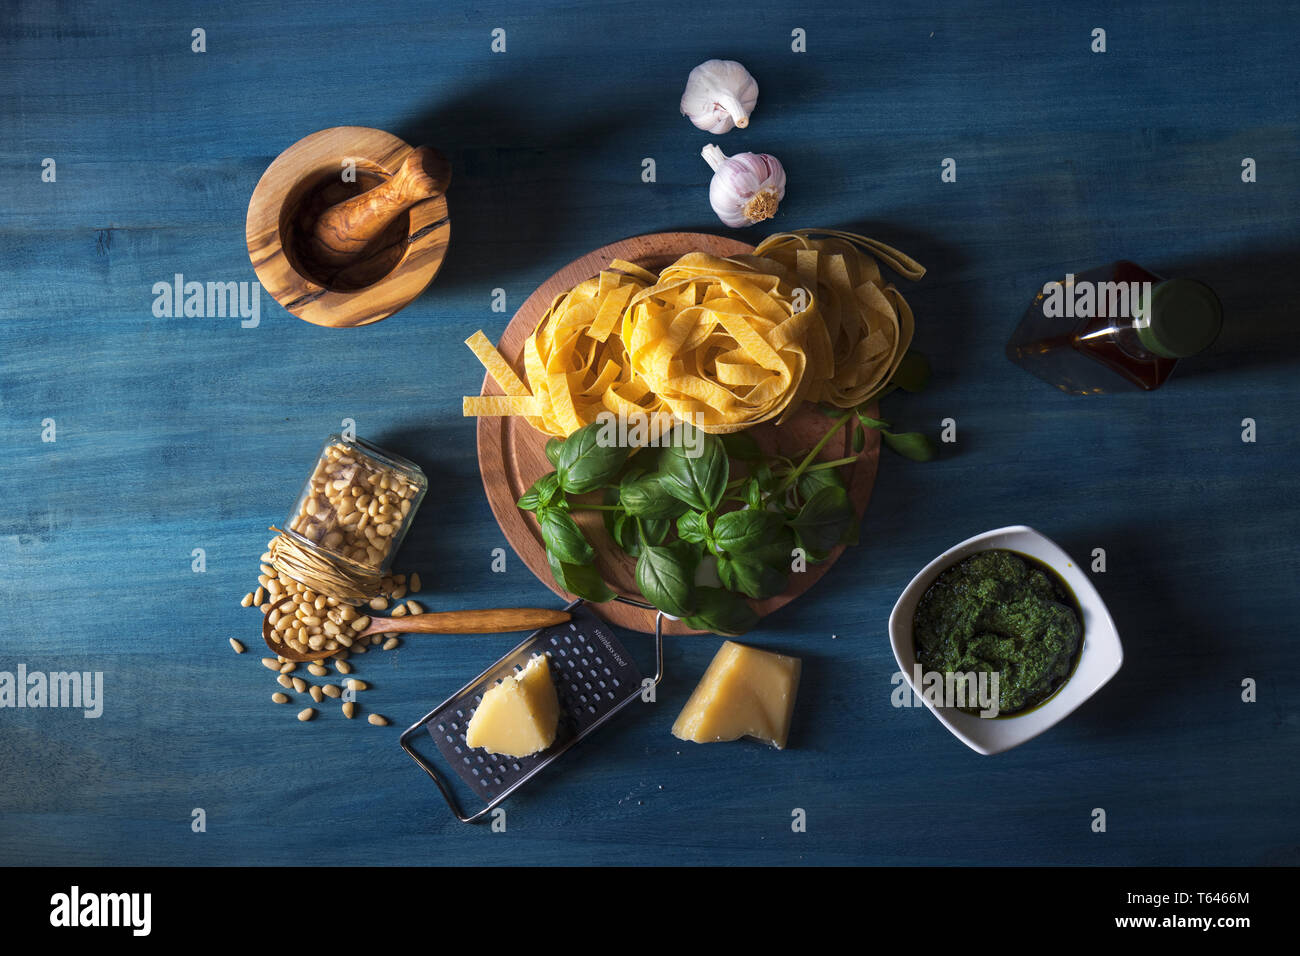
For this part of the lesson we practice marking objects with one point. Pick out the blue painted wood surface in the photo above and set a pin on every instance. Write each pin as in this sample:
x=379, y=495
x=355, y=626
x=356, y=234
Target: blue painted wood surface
x=184, y=433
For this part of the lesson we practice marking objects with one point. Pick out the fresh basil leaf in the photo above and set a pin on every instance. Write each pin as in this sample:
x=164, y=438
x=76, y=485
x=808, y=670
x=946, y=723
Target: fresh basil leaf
x=914, y=445
x=563, y=538
x=553, y=446
x=741, y=446
x=541, y=493
x=913, y=372
x=584, y=463
x=646, y=498
x=767, y=481
x=859, y=440
x=757, y=580
x=722, y=612
x=700, y=480
x=811, y=482
x=582, y=580
x=742, y=532
x=823, y=519
x=666, y=578
x=623, y=529
x=752, y=492
x=693, y=527
x=654, y=530
x=870, y=422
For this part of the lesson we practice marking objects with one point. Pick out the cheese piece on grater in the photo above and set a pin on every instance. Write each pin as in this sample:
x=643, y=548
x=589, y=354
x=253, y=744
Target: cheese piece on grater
x=744, y=693
x=518, y=716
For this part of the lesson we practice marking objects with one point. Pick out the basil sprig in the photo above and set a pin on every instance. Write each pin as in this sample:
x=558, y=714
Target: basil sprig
x=704, y=498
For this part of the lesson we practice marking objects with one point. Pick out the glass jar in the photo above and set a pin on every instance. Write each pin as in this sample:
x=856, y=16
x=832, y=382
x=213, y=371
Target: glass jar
x=357, y=506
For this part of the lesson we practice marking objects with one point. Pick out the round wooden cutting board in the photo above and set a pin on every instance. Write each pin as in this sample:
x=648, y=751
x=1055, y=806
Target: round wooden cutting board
x=512, y=454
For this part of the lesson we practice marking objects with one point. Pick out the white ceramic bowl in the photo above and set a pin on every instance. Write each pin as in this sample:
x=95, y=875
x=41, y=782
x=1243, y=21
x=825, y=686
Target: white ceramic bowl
x=1099, y=658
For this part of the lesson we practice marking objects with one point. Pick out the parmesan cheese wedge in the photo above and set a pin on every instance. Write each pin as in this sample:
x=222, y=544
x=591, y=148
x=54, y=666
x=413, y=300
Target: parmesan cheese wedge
x=744, y=693
x=518, y=716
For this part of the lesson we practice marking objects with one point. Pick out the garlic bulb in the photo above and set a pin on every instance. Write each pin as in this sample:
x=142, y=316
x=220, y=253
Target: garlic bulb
x=746, y=188
x=719, y=94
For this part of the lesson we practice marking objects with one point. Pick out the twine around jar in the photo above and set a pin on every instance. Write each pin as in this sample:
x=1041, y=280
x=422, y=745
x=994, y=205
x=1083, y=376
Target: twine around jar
x=336, y=578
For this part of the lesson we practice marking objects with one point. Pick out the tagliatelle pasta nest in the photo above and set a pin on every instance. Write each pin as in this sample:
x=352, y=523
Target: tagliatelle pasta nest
x=724, y=343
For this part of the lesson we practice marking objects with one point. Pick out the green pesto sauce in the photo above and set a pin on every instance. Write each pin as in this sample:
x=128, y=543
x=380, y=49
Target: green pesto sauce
x=998, y=611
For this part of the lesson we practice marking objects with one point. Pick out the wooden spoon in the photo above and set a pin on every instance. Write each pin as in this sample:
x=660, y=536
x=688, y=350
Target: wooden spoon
x=439, y=622
x=344, y=232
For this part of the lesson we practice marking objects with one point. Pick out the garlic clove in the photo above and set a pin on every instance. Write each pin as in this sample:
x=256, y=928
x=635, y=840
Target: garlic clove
x=746, y=188
x=720, y=95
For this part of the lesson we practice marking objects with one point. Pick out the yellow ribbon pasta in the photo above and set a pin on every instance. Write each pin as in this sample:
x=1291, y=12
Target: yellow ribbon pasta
x=724, y=343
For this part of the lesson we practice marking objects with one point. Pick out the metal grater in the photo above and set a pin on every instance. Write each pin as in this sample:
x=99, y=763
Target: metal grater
x=595, y=677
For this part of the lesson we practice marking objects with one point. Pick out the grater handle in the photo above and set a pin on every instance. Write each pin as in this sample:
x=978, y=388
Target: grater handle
x=494, y=621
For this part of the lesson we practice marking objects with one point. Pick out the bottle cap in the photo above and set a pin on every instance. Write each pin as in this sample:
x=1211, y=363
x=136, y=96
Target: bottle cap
x=1184, y=318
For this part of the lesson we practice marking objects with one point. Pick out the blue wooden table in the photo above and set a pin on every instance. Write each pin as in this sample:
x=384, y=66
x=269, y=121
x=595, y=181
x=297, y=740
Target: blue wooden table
x=177, y=434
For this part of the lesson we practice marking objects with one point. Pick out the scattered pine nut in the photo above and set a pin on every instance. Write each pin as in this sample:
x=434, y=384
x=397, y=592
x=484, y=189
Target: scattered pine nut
x=413, y=608
x=361, y=623
x=286, y=681
x=260, y=596
x=238, y=648
x=307, y=714
x=399, y=611
x=288, y=667
x=376, y=639
x=247, y=601
x=298, y=684
x=391, y=643
x=317, y=669
x=415, y=582
x=332, y=690
x=399, y=592
x=343, y=667
x=271, y=663
x=349, y=710
x=375, y=719
x=355, y=684
x=316, y=694
x=280, y=698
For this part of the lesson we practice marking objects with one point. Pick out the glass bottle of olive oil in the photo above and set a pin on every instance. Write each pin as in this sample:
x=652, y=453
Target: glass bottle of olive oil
x=1116, y=328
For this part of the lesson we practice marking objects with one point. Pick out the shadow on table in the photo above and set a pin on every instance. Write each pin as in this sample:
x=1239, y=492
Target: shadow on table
x=512, y=172
x=1260, y=300
x=454, y=489
x=1169, y=648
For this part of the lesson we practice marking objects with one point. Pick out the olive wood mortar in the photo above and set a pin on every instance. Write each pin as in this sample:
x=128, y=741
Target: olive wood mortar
x=349, y=225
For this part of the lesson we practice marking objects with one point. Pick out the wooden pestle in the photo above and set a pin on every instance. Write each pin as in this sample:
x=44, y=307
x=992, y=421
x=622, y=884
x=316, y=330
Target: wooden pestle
x=344, y=231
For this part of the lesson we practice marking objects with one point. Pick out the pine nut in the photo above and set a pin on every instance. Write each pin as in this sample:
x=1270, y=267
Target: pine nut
x=288, y=668
x=391, y=643
x=399, y=592
x=280, y=698
x=343, y=667
x=349, y=710
x=247, y=601
x=355, y=684
x=260, y=596
x=399, y=611
x=375, y=719
x=286, y=681
x=307, y=714
x=331, y=690
x=317, y=669
x=361, y=623
x=376, y=640
x=379, y=604
x=413, y=608
x=415, y=578
x=238, y=648
x=315, y=693
x=271, y=663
